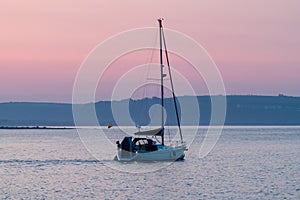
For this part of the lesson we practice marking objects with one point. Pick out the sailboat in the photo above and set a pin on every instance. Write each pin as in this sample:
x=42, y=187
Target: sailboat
x=142, y=147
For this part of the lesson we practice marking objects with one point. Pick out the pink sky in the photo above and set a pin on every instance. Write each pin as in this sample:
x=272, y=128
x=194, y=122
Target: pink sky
x=255, y=43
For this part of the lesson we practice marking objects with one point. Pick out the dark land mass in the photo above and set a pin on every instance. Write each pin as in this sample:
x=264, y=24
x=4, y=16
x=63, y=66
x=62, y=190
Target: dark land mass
x=35, y=127
x=241, y=110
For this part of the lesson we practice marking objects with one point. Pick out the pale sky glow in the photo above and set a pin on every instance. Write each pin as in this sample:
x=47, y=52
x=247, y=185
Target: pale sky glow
x=255, y=43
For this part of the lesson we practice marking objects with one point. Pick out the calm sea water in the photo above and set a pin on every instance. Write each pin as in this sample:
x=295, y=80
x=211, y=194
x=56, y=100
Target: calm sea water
x=246, y=163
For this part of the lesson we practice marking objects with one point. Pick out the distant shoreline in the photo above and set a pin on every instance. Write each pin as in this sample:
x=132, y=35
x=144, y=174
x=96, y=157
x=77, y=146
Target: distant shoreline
x=34, y=127
x=240, y=111
x=105, y=127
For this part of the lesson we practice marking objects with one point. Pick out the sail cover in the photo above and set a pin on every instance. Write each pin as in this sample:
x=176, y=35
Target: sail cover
x=158, y=131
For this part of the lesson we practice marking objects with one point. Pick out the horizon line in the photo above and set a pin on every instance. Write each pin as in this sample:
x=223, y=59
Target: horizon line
x=228, y=95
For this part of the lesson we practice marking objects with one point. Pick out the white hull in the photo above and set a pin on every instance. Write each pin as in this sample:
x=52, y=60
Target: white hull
x=163, y=154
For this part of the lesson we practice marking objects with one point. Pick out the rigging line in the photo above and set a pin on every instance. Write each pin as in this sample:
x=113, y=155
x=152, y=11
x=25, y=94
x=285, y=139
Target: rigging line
x=171, y=82
x=144, y=91
x=151, y=59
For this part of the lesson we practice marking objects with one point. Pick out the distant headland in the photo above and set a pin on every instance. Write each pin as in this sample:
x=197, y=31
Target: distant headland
x=34, y=127
x=246, y=110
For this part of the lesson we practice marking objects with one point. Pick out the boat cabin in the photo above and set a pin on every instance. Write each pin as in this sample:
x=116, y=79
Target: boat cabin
x=142, y=144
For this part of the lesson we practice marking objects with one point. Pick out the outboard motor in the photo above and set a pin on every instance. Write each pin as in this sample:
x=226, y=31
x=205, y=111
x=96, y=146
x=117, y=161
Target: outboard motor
x=127, y=147
x=118, y=144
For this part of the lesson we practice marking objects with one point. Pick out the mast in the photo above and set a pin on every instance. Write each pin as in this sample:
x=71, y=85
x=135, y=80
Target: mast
x=161, y=72
x=161, y=77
